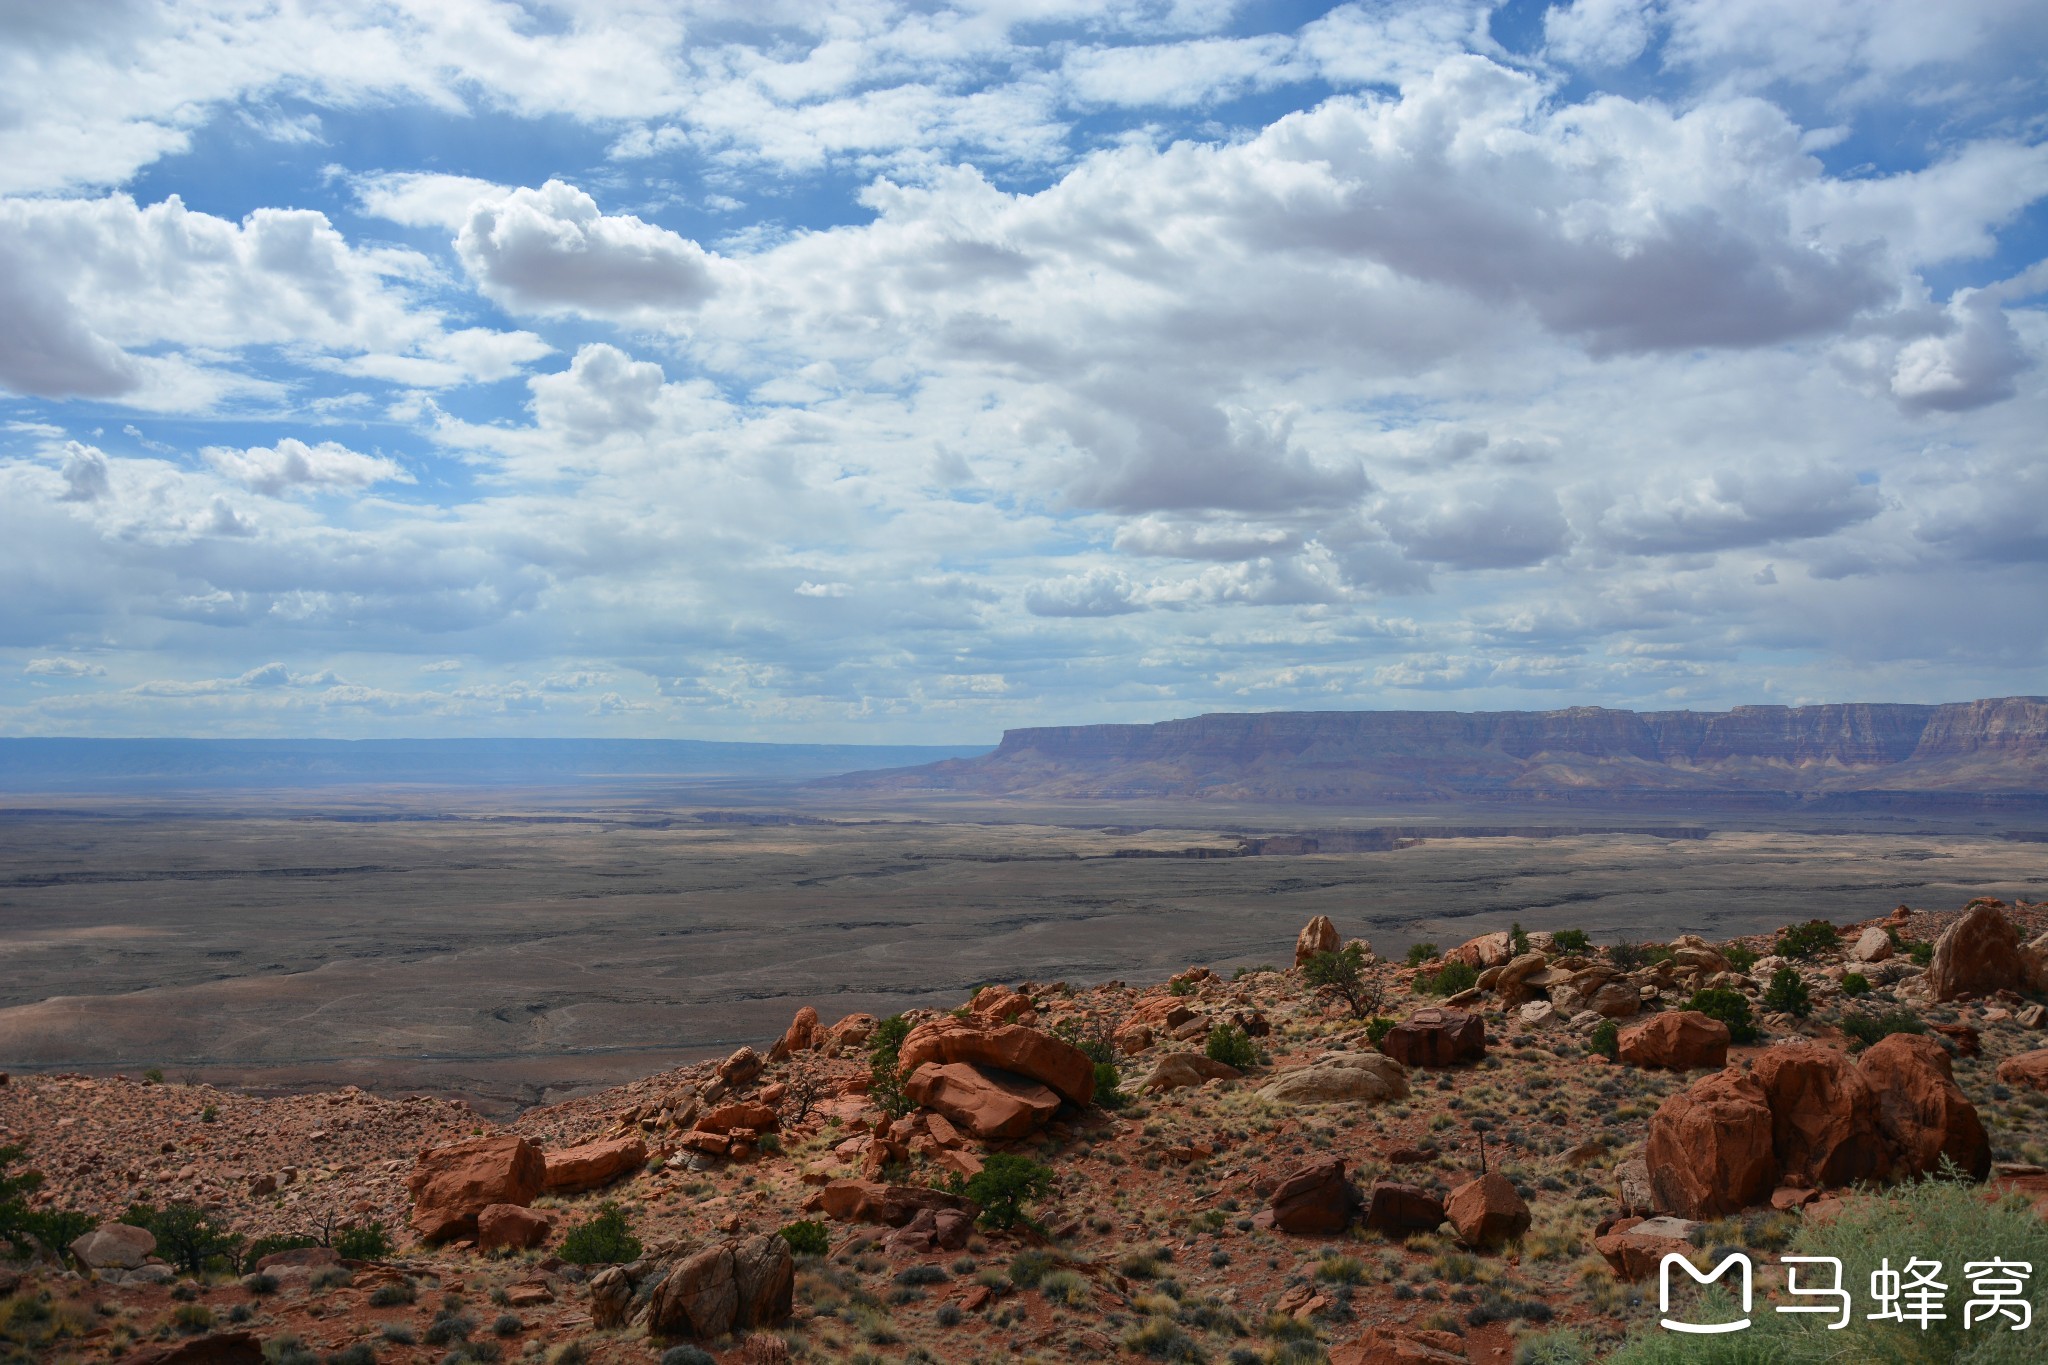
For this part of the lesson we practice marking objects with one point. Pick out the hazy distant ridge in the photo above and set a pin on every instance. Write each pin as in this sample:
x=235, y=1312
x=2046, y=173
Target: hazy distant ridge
x=59, y=763
x=1996, y=745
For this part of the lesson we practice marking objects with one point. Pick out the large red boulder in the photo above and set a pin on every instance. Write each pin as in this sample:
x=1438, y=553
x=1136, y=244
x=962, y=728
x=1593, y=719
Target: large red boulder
x=1398, y=1210
x=745, y=1282
x=573, y=1170
x=1922, y=1112
x=510, y=1227
x=1006, y=1047
x=751, y=1115
x=1487, y=1211
x=2029, y=1069
x=1387, y=1344
x=1488, y=950
x=1678, y=1040
x=1823, y=1116
x=1710, y=1151
x=451, y=1185
x=1317, y=936
x=1436, y=1037
x=982, y=1100
x=1978, y=954
x=803, y=1034
x=1316, y=1199
x=864, y=1201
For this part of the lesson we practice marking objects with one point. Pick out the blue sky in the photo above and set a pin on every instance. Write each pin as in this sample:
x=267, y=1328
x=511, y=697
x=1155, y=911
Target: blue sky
x=874, y=371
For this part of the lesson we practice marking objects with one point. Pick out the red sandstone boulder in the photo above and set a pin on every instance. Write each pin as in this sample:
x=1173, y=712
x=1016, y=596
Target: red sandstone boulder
x=982, y=1100
x=1316, y=1199
x=2029, y=1069
x=1398, y=1210
x=748, y=1114
x=1678, y=1040
x=451, y=1185
x=863, y=1201
x=999, y=1005
x=1488, y=950
x=1317, y=936
x=1823, y=1116
x=1006, y=1047
x=743, y=1066
x=1709, y=1151
x=1636, y=1247
x=1978, y=954
x=1487, y=1211
x=573, y=1170
x=1922, y=1112
x=1436, y=1037
x=510, y=1227
x=1390, y=1345
x=114, y=1246
x=745, y=1282
x=849, y=1035
x=803, y=1034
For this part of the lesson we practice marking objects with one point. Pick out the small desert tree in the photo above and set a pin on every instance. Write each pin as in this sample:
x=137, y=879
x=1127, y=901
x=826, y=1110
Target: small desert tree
x=1343, y=975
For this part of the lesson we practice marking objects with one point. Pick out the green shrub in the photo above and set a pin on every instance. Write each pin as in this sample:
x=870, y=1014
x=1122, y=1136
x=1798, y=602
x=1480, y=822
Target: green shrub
x=1805, y=940
x=1606, y=1040
x=885, y=1069
x=369, y=1242
x=1004, y=1185
x=153, y=1076
x=1936, y=1220
x=1787, y=993
x=1866, y=1029
x=185, y=1236
x=604, y=1240
x=1921, y=953
x=1855, y=983
x=1571, y=941
x=1180, y=986
x=21, y=1226
x=1162, y=1339
x=1419, y=953
x=1231, y=1046
x=1741, y=957
x=807, y=1238
x=394, y=1294
x=1731, y=1007
x=1455, y=977
x=1518, y=942
x=1378, y=1028
x=192, y=1318
x=1109, y=1093
x=688, y=1355
x=1030, y=1266
x=1342, y=976
x=1629, y=956
x=1553, y=1348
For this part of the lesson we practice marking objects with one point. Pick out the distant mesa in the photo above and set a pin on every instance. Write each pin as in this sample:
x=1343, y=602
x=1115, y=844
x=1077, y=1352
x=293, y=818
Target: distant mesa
x=1964, y=755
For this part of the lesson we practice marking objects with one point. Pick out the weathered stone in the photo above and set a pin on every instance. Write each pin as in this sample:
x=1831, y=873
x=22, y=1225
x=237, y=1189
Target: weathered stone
x=451, y=1185
x=217, y=1348
x=849, y=1035
x=1398, y=1210
x=803, y=1034
x=510, y=1227
x=1823, y=1116
x=1006, y=1047
x=1000, y=1005
x=114, y=1246
x=299, y=1258
x=1486, y=951
x=1436, y=1037
x=861, y=1201
x=748, y=1114
x=1341, y=1076
x=1537, y=1013
x=1872, y=945
x=1316, y=1199
x=1387, y=1344
x=982, y=1100
x=2029, y=1069
x=1680, y=1040
x=1633, y=1186
x=1709, y=1150
x=611, y=1298
x=1636, y=1248
x=1614, y=1001
x=1179, y=1070
x=1317, y=936
x=743, y=1066
x=1487, y=1211
x=745, y=1282
x=593, y=1165
x=1978, y=954
x=1922, y=1112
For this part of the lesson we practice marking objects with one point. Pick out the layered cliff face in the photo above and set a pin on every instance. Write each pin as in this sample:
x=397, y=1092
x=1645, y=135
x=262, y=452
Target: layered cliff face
x=1997, y=745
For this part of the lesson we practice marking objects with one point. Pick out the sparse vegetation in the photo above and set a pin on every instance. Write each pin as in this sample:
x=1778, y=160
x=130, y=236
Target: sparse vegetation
x=1865, y=1029
x=1731, y=1007
x=807, y=1238
x=1810, y=939
x=1342, y=975
x=1606, y=1040
x=186, y=1236
x=22, y=1227
x=1787, y=993
x=604, y=1240
x=1451, y=979
x=1003, y=1187
x=1231, y=1046
x=1855, y=984
x=1741, y=957
x=1419, y=953
x=885, y=1069
x=370, y=1242
x=1572, y=941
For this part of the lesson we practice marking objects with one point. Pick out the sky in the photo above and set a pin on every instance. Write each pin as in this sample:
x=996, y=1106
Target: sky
x=862, y=371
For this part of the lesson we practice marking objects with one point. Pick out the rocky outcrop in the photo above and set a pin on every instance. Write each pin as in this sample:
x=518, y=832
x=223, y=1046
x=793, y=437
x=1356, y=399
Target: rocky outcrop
x=803, y=1034
x=451, y=1185
x=1436, y=1037
x=1179, y=1070
x=572, y=1170
x=864, y=1201
x=1978, y=954
x=1006, y=1047
x=114, y=1246
x=1487, y=1211
x=1387, y=1344
x=736, y=1284
x=1488, y=950
x=1340, y=1077
x=509, y=1227
x=1823, y=1117
x=1398, y=1210
x=987, y=1103
x=1709, y=1149
x=1316, y=1199
x=1676, y=1040
x=1636, y=1247
x=1922, y=1112
x=2029, y=1069
x=1319, y=935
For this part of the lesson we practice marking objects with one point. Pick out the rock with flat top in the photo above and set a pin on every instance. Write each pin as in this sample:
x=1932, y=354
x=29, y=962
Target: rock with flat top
x=1487, y=1211
x=114, y=1246
x=1340, y=1077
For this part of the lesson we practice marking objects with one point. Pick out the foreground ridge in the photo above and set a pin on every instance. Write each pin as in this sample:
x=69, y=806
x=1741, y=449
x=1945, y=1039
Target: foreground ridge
x=1340, y=1159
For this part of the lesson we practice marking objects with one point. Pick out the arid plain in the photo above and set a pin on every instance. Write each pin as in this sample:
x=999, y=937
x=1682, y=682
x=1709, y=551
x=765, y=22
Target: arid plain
x=511, y=946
